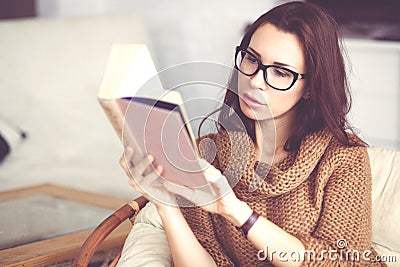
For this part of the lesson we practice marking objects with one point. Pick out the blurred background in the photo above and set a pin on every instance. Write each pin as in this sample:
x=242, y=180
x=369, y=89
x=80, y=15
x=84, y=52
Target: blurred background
x=53, y=55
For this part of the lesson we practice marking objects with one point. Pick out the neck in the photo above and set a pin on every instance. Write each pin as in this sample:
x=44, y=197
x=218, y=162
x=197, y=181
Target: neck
x=266, y=145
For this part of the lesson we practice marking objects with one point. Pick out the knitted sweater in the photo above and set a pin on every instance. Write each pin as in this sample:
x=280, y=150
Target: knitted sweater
x=321, y=194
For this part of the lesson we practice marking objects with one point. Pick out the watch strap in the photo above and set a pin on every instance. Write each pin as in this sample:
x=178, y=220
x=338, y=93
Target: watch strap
x=245, y=228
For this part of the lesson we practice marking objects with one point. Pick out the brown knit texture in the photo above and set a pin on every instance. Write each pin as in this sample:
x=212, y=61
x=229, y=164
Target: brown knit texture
x=320, y=194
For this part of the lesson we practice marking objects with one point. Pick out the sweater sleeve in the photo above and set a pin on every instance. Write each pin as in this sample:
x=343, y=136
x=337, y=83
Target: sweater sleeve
x=343, y=234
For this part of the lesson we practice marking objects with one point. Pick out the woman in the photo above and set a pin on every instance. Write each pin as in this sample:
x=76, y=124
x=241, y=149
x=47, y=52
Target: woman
x=313, y=205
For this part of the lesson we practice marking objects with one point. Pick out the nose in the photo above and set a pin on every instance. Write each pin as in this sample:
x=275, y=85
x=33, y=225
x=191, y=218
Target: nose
x=258, y=80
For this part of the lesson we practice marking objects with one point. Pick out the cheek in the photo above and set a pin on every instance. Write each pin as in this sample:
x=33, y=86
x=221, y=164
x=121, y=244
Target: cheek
x=283, y=101
x=243, y=84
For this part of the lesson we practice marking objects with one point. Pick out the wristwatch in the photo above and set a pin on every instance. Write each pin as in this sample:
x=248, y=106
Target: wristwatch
x=245, y=228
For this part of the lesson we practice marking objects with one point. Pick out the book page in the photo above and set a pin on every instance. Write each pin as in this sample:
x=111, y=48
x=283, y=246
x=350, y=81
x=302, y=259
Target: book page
x=128, y=69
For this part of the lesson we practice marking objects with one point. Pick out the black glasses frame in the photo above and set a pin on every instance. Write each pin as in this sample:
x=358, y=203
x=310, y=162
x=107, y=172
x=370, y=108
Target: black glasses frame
x=296, y=76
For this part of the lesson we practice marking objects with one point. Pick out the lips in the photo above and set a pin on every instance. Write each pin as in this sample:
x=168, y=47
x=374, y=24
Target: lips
x=251, y=101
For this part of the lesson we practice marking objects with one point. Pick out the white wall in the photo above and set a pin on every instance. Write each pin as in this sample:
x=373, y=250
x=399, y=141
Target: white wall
x=375, y=85
x=200, y=30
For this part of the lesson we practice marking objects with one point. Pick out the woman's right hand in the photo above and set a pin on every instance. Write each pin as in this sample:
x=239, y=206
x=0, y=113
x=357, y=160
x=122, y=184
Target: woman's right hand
x=151, y=186
x=148, y=184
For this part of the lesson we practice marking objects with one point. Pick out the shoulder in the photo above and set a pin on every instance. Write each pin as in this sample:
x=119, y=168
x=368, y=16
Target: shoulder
x=332, y=149
x=343, y=155
x=342, y=167
x=333, y=157
x=346, y=165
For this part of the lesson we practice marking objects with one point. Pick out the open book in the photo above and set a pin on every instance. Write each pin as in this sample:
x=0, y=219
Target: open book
x=148, y=118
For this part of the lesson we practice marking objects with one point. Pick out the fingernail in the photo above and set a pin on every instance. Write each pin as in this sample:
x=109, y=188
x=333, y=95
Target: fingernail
x=159, y=169
x=150, y=157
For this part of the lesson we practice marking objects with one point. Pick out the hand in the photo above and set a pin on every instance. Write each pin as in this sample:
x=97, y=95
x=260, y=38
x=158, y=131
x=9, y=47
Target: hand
x=225, y=201
x=147, y=183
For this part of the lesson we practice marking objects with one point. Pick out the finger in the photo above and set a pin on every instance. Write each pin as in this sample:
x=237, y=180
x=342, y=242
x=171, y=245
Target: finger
x=128, y=151
x=124, y=166
x=135, y=185
x=122, y=162
x=143, y=182
x=126, y=158
x=206, y=166
x=182, y=191
x=218, y=182
x=152, y=188
x=150, y=178
x=196, y=196
x=142, y=166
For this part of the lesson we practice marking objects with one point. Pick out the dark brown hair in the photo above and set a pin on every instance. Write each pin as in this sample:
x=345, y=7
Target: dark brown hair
x=330, y=99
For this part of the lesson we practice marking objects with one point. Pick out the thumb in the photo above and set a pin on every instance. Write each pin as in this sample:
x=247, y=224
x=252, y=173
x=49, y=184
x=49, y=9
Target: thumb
x=209, y=168
x=217, y=180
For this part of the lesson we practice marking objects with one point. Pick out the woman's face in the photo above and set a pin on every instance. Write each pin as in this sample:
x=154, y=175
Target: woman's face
x=272, y=47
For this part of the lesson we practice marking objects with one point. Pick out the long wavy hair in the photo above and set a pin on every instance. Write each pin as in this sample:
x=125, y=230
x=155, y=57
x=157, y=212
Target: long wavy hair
x=330, y=99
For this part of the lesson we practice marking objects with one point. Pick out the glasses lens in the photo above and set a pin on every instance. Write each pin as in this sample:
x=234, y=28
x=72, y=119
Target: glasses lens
x=246, y=63
x=279, y=78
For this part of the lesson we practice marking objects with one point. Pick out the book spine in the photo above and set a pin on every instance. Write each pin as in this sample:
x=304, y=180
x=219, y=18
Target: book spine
x=114, y=114
x=115, y=111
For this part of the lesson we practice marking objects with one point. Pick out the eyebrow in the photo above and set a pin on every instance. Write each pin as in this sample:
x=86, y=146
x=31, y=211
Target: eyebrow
x=275, y=62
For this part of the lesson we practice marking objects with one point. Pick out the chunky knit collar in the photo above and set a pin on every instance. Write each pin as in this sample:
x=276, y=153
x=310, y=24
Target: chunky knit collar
x=236, y=157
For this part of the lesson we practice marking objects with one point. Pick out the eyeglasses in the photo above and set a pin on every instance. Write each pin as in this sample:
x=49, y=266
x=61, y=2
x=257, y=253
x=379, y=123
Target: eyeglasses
x=278, y=77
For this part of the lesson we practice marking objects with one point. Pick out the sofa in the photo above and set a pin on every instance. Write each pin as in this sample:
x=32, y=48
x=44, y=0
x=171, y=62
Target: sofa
x=51, y=70
x=385, y=168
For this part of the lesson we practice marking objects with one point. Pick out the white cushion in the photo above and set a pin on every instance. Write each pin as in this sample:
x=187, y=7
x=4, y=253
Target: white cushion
x=385, y=168
x=146, y=244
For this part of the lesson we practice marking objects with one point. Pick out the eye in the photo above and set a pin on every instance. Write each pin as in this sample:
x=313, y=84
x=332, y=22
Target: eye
x=281, y=72
x=249, y=58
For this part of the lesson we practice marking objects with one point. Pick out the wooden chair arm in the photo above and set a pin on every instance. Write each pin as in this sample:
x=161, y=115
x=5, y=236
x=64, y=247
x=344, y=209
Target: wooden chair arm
x=91, y=244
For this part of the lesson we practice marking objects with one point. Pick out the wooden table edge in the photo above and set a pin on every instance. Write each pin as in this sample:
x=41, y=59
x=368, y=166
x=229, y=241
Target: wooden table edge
x=66, y=246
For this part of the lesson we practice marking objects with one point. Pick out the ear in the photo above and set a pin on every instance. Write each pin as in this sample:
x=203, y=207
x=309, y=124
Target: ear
x=307, y=94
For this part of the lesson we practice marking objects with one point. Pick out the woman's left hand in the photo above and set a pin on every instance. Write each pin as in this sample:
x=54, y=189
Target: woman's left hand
x=225, y=202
